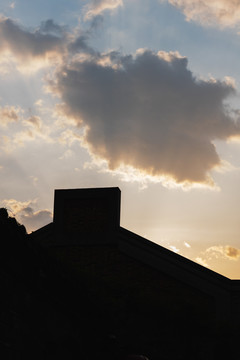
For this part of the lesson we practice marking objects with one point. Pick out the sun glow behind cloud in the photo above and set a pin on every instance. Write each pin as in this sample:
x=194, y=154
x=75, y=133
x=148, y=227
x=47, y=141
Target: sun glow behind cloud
x=142, y=116
x=137, y=87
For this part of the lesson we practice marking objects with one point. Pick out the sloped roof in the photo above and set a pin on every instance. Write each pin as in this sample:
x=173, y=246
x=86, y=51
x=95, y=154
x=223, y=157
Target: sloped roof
x=92, y=217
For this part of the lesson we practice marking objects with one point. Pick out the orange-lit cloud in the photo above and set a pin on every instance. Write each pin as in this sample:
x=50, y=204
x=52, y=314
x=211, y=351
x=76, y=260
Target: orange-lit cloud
x=148, y=112
x=225, y=13
x=227, y=252
x=201, y=261
x=96, y=7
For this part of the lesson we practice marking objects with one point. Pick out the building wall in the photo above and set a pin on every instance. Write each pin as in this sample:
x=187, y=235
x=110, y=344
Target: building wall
x=141, y=306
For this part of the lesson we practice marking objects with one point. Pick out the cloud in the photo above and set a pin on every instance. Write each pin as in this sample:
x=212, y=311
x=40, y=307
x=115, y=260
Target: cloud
x=232, y=252
x=34, y=179
x=25, y=213
x=34, y=220
x=227, y=252
x=9, y=114
x=96, y=7
x=79, y=42
x=39, y=103
x=22, y=137
x=15, y=206
x=49, y=27
x=66, y=155
x=47, y=45
x=29, y=129
x=174, y=249
x=148, y=112
x=25, y=45
x=225, y=13
x=35, y=122
x=201, y=261
x=69, y=137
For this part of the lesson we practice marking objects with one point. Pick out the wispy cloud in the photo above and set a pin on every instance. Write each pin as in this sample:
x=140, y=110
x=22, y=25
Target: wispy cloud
x=35, y=122
x=96, y=7
x=69, y=137
x=66, y=155
x=28, y=129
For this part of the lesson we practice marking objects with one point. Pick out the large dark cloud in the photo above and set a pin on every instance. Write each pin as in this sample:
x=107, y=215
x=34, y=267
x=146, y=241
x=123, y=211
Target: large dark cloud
x=149, y=112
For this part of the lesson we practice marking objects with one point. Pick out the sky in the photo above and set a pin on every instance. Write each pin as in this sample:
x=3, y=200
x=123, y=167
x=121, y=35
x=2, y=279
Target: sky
x=139, y=94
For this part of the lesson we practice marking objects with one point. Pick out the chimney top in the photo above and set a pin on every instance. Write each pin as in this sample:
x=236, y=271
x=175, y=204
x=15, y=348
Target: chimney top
x=86, y=215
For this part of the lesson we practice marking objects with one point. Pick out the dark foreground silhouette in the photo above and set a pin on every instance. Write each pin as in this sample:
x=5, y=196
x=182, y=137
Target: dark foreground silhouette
x=11, y=229
x=53, y=306
x=42, y=315
x=16, y=255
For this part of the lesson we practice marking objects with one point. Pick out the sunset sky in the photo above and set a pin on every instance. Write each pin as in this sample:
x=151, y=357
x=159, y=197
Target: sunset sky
x=139, y=94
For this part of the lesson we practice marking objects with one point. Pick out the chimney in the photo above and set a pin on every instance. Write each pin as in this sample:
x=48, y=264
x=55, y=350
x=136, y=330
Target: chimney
x=86, y=216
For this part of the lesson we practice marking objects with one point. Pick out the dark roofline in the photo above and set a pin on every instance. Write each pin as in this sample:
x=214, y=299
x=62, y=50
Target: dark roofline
x=222, y=289
x=128, y=240
x=150, y=246
x=168, y=261
x=73, y=226
x=219, y=287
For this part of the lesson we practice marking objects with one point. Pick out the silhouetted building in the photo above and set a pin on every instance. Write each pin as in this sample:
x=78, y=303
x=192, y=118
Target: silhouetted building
x=97, y=280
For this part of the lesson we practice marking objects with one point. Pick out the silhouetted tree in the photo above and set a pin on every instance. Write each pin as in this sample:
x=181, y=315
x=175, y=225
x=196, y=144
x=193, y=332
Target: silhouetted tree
x=10, y=228
x=16, y=255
